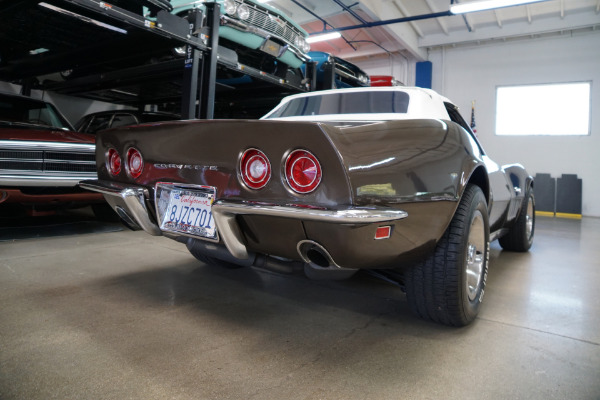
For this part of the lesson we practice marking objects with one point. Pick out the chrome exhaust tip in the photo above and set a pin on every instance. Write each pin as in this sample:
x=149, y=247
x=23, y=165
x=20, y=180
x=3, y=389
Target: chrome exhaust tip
x=319, y=264
x=314, y=253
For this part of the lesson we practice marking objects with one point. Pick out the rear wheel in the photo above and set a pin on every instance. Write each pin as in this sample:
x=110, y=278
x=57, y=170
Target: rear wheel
x=520, y=236
x=448, y=286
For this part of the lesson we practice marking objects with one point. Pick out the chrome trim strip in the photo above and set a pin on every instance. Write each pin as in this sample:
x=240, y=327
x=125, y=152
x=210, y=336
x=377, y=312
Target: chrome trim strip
x=42, y=181
x=344, y=216
x=39, y=145
x=38, y=161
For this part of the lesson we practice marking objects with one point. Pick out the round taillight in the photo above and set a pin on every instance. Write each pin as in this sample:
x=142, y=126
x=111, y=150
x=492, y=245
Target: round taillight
x=302, y=171
x=135, y=163
x=255, y=168
x=113, y=162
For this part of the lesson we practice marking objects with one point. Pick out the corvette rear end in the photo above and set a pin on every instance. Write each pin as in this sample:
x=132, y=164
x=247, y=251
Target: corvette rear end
x=295, y=190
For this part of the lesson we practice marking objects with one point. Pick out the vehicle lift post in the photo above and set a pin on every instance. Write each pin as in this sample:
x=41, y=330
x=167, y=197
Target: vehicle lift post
x=201, y=64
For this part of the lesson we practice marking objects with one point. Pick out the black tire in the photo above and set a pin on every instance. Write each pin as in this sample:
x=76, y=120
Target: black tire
x=520, y=236
x=200, y=256
x=448, y=286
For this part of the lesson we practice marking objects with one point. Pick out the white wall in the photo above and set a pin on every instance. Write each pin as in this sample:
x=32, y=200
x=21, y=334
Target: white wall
x=464, y=74
x=400, y=67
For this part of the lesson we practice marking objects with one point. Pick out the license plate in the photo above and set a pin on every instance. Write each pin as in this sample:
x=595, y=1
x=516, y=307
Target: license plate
x=186, y=209
x=272, y=48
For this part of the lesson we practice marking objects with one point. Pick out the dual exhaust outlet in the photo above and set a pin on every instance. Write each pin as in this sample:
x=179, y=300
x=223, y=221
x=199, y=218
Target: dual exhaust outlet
x=318, y=263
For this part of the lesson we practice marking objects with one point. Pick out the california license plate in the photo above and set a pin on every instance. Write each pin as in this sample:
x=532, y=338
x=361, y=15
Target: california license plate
x=186, y=209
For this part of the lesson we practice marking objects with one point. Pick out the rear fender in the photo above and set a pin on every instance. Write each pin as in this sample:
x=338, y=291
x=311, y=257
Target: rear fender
x=408, y=161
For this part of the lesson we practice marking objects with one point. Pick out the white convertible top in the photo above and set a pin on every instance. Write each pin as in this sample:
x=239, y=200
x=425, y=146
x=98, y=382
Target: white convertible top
x=422, y=104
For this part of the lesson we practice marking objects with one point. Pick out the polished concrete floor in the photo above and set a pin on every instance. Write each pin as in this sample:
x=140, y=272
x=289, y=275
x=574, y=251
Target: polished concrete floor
x=90, y=311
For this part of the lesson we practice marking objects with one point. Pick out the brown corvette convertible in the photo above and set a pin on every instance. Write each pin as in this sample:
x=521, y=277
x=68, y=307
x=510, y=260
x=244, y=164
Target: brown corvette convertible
x=341, y=180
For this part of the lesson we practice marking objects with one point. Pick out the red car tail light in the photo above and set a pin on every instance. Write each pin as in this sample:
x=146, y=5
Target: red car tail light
x=113, y=162
x=135, y=163
x=255, y=169
x=302, y=171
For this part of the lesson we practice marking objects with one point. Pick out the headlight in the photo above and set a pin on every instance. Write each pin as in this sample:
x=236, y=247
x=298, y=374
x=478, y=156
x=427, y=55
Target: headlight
x=301, y=44
x=243, y=12
x=306, y=47
x=229, y=6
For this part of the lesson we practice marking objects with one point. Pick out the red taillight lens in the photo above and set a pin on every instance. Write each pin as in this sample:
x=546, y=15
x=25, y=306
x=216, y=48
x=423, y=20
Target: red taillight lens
x=383, y=232
x=135, y=163
x=113, y=162
x=302, y=171
x=255, y=168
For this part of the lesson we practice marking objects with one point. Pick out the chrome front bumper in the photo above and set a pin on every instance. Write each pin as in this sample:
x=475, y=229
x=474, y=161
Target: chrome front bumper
x=264, y=34
x=129, y=201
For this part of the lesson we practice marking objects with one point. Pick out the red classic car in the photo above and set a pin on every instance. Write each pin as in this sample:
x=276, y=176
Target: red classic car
x=384, y=80
x=339, y=180
x=42, y=159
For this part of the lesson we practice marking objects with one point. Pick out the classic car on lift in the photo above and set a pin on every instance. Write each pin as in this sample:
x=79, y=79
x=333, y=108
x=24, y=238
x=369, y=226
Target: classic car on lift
x=341, y=180
x=42, y=158
x=262, y=36
x=384, y=80
x=336, y=73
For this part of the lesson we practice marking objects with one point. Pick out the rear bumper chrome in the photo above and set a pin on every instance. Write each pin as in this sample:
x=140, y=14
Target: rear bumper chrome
x=132, y=200
x=126, y=198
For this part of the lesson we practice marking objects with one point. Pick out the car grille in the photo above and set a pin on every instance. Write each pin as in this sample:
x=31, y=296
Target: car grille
x=65, y=161
x=271, y=22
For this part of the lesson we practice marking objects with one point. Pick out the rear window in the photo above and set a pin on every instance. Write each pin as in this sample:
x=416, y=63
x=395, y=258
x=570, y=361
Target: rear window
x=123, y=120
x=98, y=123
x=345, y=103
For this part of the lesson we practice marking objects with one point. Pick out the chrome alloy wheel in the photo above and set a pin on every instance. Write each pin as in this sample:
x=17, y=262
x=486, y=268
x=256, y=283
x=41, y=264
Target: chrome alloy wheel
x=529, y=218
x=475, y=257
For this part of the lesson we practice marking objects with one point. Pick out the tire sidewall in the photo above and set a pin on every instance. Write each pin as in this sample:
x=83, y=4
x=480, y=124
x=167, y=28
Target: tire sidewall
x=470, y=308
x=529, y=197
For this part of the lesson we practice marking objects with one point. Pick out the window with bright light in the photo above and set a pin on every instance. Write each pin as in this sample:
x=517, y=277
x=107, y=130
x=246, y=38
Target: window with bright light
x=552, y=109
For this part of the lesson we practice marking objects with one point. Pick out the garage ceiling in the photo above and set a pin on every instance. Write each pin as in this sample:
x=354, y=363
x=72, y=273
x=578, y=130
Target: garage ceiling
x=414, y=38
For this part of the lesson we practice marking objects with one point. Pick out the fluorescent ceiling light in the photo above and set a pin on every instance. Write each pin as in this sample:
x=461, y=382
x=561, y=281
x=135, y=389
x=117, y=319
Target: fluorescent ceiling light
x=325, y=36
x=487, y=5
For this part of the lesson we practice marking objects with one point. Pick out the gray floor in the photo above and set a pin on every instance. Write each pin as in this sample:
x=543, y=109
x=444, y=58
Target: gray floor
x=109, y=314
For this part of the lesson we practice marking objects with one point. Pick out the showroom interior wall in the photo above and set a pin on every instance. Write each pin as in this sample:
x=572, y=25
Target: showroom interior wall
x=399, y=66
x=467, y=73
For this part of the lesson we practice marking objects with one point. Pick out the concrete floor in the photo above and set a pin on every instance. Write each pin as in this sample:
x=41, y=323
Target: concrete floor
x=114, y=314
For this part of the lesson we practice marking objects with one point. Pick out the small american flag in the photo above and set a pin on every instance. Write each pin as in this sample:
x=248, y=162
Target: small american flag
x=473, y=126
